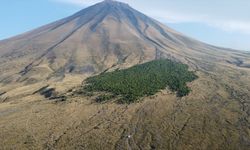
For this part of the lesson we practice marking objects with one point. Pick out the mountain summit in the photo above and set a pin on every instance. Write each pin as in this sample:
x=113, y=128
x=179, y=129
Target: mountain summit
x=105, y=36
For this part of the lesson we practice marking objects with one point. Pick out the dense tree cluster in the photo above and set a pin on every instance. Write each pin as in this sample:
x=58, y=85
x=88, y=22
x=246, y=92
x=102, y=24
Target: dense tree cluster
x=142, y=80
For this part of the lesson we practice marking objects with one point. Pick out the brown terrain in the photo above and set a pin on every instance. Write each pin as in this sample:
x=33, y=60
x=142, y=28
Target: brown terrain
x=106, y=36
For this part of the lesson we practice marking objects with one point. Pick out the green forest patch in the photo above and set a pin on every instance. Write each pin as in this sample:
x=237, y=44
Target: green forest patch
x=141, y=80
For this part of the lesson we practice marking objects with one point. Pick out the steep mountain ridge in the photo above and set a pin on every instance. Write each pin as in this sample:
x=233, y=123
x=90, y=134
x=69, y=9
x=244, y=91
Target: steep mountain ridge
x=107, y=35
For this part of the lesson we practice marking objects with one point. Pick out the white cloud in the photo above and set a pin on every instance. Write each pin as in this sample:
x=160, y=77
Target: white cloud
x=83, y=2
x=225, y=24
x=79, y=2
x=232, y=26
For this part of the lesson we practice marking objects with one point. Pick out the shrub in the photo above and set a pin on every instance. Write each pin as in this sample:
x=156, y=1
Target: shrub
x=105, y=97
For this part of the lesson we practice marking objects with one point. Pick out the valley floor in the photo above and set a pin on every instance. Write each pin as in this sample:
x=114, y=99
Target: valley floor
x=214, y=116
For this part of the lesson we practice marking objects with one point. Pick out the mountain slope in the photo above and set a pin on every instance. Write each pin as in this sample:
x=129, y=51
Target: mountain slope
x=104, y=37
x=100, y=37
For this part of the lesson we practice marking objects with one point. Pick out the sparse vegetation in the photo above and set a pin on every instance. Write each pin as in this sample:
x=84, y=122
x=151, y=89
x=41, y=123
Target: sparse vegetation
x=104, y=97
x=142, y=80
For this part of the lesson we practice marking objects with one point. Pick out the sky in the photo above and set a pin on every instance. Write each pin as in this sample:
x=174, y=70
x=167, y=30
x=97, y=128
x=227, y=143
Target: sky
x=223, y=23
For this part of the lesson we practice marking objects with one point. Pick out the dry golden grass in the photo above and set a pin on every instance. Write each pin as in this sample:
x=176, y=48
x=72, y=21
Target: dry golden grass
x=61, y=55
x=213, y=116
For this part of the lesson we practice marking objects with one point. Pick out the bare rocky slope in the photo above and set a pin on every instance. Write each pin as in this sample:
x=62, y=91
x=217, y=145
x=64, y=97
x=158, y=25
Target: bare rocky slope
x=107, y=36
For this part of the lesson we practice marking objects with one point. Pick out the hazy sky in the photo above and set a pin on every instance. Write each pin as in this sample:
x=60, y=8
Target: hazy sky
x=220, y=22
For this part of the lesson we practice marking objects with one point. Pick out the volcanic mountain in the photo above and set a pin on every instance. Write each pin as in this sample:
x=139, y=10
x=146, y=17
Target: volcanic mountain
x=107, y=35
x=104, y=37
